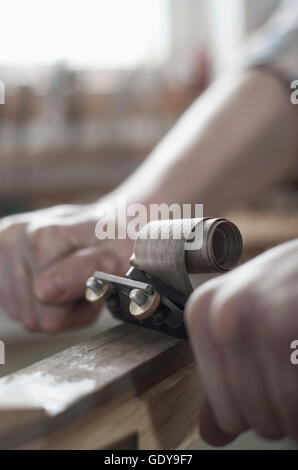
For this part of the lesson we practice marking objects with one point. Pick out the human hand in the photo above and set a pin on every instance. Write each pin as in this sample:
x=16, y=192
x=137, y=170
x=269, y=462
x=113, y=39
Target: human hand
x=46, y=257
x=241, y=326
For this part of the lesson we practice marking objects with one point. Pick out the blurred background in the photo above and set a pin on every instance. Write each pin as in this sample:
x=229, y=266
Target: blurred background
x=90, y=88
x=93, y=85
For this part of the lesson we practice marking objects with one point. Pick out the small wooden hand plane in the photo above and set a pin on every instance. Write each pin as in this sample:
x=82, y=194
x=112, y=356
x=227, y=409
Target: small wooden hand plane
x=146, y=296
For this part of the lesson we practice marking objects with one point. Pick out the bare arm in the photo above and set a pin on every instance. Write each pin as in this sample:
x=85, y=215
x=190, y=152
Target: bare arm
x=239, y=137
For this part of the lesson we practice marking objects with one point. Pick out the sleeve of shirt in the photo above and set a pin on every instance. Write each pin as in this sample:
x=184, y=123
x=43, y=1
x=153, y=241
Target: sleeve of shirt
x=276, y=44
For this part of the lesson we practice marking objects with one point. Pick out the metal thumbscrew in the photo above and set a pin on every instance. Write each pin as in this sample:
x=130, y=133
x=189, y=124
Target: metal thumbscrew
x=95, y=290
x=94, y=285
x=138, y=297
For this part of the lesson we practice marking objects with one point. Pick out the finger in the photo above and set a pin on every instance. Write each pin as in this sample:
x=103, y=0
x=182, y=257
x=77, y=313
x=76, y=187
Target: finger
x=23, y=295
x=241, y=350
x=247, y=378
x=65, y=280
x=282, y=375
x=209, y=429
x=210, y=360
x=284, y=379
x=19, y=292
x=55, y=319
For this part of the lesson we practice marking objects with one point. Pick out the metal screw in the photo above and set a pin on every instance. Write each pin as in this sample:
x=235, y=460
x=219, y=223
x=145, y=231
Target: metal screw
x=138, y=297
x=94, y=285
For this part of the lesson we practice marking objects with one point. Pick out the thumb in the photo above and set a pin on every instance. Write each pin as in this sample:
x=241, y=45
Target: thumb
x=65, y=280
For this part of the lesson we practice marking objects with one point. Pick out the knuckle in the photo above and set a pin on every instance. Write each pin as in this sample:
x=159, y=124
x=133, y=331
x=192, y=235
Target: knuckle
x=9, y=228
x=48, y=241
x=36, y=236
x=279, y=328
x=233, y=314
x=198, y=306
x=40, y=240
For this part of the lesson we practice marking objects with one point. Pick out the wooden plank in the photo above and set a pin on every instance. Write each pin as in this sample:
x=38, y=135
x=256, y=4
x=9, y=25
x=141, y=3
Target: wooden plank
x=114, y=365
x=163, y=417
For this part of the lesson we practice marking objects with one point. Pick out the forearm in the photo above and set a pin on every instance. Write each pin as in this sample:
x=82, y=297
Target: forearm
x=239, y=137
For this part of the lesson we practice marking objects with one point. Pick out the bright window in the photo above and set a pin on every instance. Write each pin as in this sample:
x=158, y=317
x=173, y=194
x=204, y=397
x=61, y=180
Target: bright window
x=85, y=33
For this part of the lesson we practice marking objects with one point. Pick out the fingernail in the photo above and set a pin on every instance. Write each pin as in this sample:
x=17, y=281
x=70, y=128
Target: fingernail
x=49, y=288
